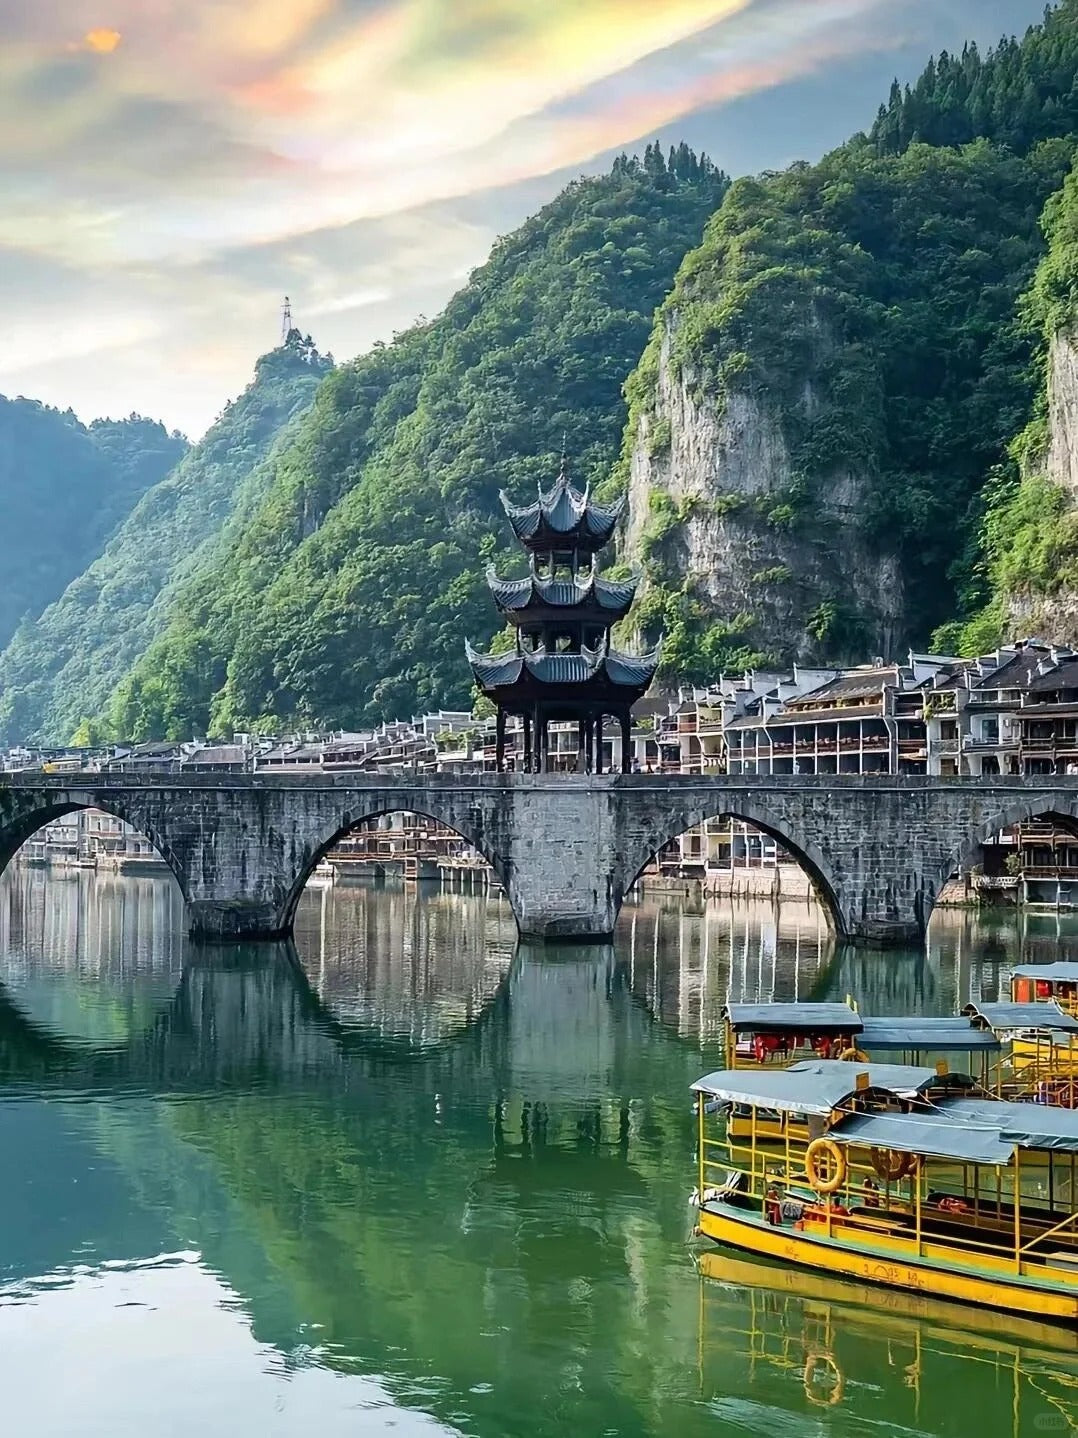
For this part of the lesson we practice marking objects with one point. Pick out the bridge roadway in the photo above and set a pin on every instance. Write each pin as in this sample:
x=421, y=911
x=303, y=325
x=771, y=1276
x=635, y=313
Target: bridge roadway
x=566, y=848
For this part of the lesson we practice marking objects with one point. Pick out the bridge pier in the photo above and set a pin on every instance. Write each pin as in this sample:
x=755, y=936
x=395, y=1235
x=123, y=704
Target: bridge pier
x=228, y=921
x=884, y=934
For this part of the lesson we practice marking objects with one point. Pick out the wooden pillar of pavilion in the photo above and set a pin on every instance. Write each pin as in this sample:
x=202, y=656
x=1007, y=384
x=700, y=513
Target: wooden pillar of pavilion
x=626, y=740
x=597, y=767
x=527, y=744
x=581, y=746
x=499, y=751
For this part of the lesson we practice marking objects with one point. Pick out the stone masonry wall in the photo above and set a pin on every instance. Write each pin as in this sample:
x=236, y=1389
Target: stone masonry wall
x=566, y=848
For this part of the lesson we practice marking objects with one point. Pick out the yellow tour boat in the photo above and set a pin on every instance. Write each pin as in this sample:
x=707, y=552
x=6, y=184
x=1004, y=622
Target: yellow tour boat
x=1041, y=1048
x=906, y=1177
x=781, y=1033
x=1046, y=983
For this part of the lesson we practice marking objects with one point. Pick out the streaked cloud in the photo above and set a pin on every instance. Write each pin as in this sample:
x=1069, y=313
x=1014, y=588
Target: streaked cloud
x=171, y=166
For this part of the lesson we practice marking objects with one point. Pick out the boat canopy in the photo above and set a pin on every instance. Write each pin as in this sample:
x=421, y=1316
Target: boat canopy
x=1062, y=971
x=1024, y=1016
x=954, y=1035
x=792, y=1018
x=819, y=1087
x=1026, y=1125
x=969, y=1130
x=932, y=1135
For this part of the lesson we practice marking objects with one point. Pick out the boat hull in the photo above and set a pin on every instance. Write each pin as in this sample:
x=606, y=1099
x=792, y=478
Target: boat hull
x=887, y=1269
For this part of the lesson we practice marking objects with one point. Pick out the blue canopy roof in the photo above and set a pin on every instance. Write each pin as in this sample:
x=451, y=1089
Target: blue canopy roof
x=933, y=1135
x=1061, y=971
x=925, y=1035
x=1025, y=1016
x=1025, y=1125
x=819, y=1086
x=792, y=1018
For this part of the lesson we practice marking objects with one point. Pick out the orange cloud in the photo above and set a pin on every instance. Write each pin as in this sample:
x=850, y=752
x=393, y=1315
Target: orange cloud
x=101, y=41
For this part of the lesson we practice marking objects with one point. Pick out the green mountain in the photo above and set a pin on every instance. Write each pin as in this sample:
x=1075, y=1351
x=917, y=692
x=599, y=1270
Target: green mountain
x=346, y=594
x=62, y=666
x=840, y=368
x=64, y=487
x=1028, y=575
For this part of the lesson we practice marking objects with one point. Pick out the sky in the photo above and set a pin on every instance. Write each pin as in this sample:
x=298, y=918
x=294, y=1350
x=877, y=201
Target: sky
x=172, y=168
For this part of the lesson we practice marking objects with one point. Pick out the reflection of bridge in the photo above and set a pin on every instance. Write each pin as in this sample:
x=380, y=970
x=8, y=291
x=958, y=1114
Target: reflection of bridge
x=248, y=1020
x=566, y=848
x=414, y=1213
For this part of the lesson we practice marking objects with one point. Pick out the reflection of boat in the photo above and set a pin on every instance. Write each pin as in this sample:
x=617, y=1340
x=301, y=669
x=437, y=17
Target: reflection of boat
x=870, y=1307
x=898, y=1184
x=804, y=1340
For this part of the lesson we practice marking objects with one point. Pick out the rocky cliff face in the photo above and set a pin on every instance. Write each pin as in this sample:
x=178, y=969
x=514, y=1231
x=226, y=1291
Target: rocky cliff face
x=1062, y=456
x=1032, y=610
x=790, y=573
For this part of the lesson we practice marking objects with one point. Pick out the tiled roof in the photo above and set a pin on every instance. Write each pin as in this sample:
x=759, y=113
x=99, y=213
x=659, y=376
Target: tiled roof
x=217, y=754
x=518, y=594
x=501, y=671
x=1061, y=676
x=563, y=512
x=861, y=684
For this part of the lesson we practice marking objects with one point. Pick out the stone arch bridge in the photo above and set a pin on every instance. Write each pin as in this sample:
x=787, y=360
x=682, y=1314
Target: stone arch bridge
x=566, y=848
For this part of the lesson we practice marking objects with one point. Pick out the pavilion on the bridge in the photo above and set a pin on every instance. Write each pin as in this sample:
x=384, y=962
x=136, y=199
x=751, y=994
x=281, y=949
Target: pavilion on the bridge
x=563, y=665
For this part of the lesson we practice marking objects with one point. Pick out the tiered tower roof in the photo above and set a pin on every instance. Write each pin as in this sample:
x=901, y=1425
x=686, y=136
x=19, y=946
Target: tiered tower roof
x=534, y=597
x=599, y=673
x=562, y=518
x=563, y=611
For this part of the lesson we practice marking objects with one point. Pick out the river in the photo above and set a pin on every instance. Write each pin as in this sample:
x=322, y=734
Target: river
x=406, y=1178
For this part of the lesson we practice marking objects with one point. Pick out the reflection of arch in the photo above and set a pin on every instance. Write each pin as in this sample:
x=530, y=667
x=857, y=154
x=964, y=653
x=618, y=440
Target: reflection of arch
x=1060, y=809
x=348, y=822
x=803, y=849
x=25, y=825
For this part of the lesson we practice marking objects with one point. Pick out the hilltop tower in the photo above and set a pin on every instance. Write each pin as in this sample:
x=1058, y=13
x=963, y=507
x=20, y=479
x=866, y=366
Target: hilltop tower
x=563, y=666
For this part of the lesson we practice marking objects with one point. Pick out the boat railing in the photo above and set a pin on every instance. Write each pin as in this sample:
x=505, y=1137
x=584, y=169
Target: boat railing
x=1068, y=1225
x=1047, y=1079
x=985, y=1228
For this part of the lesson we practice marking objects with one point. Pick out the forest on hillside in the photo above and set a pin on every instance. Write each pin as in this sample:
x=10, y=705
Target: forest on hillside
x=63, y=663
x=884, y=313
x=66, y=487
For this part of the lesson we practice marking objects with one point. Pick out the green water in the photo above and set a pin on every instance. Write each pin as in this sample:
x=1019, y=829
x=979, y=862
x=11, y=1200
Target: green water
x=408, y=1179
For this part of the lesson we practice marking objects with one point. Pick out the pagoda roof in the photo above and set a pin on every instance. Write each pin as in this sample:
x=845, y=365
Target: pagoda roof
x=563, y=517
x=517, y=596
x=591, y=670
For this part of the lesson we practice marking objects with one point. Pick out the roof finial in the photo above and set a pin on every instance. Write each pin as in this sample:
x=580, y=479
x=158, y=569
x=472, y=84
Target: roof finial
x=564, y=474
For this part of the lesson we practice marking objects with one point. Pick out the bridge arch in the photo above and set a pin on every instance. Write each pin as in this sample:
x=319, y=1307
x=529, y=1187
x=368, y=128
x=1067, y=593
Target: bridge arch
x=1059, y=808
x=324, y=841
x=23, y=820
x=801, y=846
